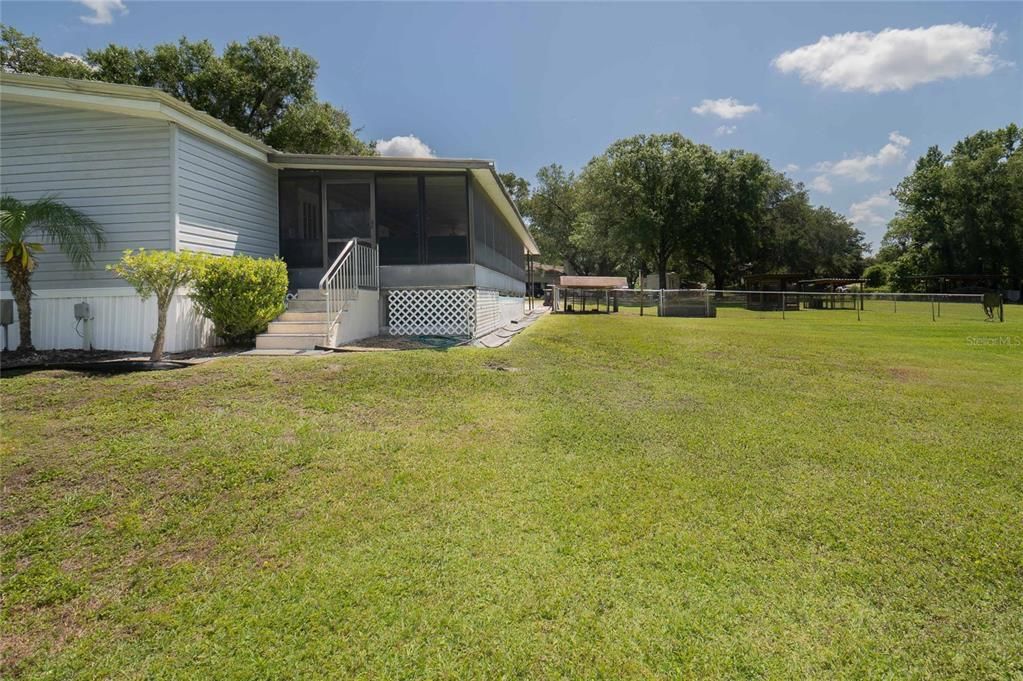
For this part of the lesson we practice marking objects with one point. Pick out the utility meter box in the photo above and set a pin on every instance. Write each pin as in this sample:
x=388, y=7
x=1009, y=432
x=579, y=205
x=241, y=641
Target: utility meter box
x=6, y=312
x=81, y=311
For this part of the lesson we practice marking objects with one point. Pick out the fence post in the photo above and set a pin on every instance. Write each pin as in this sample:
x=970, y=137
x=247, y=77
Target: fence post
x=857, y=302
x=932, y=306
x=660, y=303
x=706, y=303
x=783, y=304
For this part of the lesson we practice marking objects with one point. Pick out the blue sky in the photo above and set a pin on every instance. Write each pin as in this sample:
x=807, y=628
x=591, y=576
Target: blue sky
x=531, y=84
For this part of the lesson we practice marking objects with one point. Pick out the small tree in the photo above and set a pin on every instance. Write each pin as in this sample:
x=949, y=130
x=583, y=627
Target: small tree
x=74, y=233
x=160, y=274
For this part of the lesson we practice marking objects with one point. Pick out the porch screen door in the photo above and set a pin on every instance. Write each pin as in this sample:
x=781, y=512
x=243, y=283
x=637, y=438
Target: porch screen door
x=349, y=214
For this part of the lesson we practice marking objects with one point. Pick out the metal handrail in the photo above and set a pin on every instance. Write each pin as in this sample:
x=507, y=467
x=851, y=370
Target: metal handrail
x=355, y=267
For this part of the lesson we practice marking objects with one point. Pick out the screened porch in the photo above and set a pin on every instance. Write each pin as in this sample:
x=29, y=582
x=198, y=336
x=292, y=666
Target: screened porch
x=432, y=229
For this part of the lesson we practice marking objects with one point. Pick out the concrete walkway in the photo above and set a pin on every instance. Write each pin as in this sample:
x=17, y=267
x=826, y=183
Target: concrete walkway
x=273, y=352
x=501, y=336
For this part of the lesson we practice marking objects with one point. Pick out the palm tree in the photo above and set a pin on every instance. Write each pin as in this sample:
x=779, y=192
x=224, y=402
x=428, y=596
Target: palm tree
x=73, y=232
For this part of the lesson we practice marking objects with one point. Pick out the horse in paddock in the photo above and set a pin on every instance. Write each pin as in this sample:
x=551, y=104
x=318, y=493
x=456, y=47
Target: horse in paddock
x=991, y=301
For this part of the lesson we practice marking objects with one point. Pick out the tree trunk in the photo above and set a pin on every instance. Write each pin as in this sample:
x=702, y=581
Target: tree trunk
x=662, y=274
x=161, y=326
x=22, y=293
x=719, y=280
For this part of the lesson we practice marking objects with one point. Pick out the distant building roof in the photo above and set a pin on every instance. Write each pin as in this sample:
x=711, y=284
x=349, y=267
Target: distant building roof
x=776, y=276
x=833, y=281
x=594, y=282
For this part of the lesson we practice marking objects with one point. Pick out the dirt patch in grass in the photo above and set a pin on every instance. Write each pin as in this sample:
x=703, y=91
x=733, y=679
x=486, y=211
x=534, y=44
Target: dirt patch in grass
x=906, y=374
x=500, y=365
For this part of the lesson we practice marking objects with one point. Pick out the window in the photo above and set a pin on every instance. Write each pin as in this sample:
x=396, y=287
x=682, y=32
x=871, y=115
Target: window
x=348, y=210
x=445, y=219
x=348, y=215
x=398, y=219
x=300, y=230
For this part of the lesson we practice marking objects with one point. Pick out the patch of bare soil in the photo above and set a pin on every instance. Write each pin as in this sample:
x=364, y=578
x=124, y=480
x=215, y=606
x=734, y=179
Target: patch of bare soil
x=905, y=374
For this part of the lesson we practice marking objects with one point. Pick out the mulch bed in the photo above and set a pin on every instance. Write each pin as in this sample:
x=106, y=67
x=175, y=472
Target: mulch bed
x=101, y=361
x=378, y=343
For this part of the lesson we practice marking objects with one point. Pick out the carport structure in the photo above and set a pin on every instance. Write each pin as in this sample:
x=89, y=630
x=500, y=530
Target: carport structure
x=831, y=285
x=573, y=290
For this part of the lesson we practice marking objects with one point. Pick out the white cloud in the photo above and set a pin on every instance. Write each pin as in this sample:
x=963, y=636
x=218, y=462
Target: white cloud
x=727, y=108
x=404, y=145
x=791, y=168
x=821, y=183
x=725, y=130
x=894, y=59
x=874, y=211
x=71, y=56
x=863, y=167
x=103, y=10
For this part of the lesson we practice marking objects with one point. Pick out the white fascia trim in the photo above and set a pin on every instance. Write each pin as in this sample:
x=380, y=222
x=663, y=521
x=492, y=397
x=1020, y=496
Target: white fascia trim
x=130, y=107
x=175, y=221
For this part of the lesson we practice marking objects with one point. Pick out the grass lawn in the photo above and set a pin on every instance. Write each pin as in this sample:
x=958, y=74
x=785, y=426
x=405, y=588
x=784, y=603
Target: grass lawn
x=608, y=496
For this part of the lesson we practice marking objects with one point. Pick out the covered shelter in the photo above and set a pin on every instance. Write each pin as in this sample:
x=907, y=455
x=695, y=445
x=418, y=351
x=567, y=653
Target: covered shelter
x=573, y=292
x=835, y=287
x=764, y=291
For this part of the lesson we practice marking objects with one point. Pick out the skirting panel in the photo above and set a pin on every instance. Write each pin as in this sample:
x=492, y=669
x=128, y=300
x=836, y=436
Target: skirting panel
x=488, y=312
x=431, y=312
x=120, y=321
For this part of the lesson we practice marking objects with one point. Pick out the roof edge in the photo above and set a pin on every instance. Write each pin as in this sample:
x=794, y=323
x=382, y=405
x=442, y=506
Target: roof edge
x=131, y=92
x=342, y=161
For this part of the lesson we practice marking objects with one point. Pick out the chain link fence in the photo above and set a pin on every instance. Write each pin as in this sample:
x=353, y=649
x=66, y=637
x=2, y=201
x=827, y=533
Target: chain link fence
x=911, y=307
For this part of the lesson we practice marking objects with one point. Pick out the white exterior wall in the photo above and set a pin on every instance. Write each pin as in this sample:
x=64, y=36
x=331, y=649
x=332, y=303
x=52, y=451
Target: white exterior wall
x=120, y=321
x=226, y=203
x=361, y=319
x=149, y=184
x=114, y=168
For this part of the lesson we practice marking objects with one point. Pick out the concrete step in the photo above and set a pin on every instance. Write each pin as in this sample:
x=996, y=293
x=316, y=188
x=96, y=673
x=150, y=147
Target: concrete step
x=290, y=316
x=288, y=341
x=308, y=306
x=301, y=327
x=316, y=294
x=309, y=294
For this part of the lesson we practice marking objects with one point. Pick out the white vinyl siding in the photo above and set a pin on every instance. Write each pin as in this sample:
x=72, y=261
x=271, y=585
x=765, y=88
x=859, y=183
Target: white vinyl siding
x=114, y=168
x=227, y=203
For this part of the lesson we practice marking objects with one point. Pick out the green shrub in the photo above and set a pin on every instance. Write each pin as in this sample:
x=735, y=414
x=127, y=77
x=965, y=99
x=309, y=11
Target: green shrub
x=239, y=294
x=876, y=276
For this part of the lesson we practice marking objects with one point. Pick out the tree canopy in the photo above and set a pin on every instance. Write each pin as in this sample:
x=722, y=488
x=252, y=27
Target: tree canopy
x=261, y=87
x=960, y=212
x=656, y=203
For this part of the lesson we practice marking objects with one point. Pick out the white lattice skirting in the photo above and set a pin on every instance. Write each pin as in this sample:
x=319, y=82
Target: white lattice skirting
x=431, y=312
x=488, y=311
